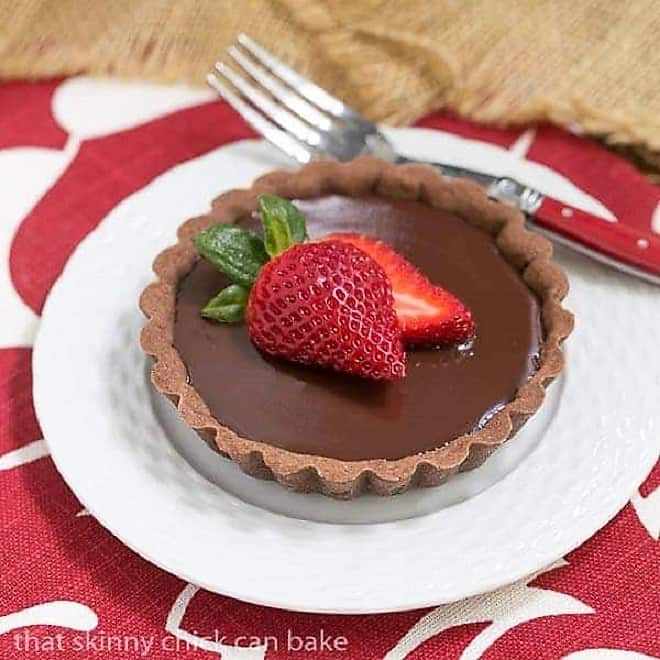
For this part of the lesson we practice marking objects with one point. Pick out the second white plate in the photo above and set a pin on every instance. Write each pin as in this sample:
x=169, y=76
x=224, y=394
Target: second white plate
x=543, y=495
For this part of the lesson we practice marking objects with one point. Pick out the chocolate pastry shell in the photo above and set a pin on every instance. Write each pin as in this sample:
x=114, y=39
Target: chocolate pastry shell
x=527, y=252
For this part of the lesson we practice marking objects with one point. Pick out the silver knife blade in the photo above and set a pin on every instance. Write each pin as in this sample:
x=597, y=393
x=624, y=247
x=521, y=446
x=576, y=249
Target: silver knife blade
x=502, y=188
x=485, y=180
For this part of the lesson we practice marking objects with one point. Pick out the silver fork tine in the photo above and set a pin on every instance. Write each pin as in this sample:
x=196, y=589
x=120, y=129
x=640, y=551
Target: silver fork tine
x=286, y=95
x=302, y=85
x=270, y=131
x=277, y=113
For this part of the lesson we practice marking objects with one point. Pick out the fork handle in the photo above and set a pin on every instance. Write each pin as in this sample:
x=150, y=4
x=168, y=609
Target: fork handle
x=626, y=244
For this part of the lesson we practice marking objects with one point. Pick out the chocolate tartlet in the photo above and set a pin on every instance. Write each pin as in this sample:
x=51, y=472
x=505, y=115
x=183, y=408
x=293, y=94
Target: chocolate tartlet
x=315, y=430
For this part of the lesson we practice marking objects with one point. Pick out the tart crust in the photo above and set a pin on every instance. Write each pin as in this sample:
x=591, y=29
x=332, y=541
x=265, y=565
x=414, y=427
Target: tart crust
x=529, y=253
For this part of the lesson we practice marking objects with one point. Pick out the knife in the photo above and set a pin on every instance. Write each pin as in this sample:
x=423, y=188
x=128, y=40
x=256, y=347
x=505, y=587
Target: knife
x=620, y=246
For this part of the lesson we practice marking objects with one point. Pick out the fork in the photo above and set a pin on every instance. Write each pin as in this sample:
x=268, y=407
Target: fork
x=307, y=123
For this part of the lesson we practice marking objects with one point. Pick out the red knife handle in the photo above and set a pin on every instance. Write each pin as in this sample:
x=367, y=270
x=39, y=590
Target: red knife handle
x=622, y=242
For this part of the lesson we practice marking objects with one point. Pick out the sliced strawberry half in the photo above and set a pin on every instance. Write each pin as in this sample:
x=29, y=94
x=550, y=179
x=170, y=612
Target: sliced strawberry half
x=427, y=313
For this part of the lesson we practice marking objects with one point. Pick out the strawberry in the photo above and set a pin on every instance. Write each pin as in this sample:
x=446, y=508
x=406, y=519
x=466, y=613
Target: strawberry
x=427, y=313
x=327, y=304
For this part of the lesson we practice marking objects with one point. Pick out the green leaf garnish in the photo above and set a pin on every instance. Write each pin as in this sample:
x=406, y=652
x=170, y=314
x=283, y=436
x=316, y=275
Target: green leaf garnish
x=277, y=233
x=279, y=211
x=237, y=252
x=228, y=306
x=240, y=254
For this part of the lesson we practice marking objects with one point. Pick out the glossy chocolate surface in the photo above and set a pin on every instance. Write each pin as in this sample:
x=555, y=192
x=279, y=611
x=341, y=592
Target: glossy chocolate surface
x=446, y=393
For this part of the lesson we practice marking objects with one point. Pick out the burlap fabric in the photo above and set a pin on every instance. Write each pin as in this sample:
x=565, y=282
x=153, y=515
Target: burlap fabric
x=590, y=64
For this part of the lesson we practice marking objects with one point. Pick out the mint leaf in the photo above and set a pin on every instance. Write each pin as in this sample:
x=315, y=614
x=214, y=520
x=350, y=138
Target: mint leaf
x=237, y=252
x=280, y=210
x=277, y=234
x=228, y=306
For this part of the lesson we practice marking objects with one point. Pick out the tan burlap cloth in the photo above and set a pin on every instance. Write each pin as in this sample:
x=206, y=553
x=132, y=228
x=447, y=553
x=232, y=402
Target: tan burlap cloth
x=592, y=64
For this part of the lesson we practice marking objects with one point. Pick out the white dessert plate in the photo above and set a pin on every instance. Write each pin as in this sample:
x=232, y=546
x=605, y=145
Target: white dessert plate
x=156, y=487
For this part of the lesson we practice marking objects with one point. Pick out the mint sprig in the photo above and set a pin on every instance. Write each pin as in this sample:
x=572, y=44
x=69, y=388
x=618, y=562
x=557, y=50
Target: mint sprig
x=277, y=209
x=277, y=233
x=237, y=252
x=228, y=306
x=240, y=253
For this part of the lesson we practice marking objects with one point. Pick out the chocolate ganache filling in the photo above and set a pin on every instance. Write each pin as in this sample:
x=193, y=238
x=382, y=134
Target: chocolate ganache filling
x=447, y=391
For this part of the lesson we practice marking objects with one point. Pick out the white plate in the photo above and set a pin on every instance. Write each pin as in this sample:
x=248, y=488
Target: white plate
x=542, y=495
